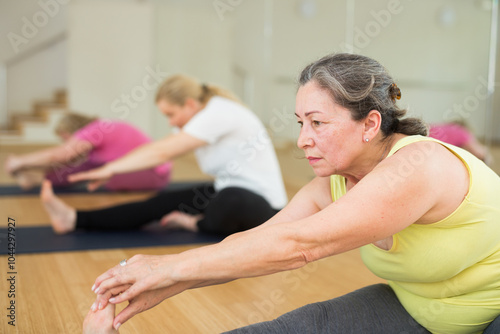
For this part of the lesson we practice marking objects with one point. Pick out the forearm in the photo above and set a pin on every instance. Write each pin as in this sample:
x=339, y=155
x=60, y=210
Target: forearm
x=276, y=245
x=43, y=158
x=259, y=252
x=144, y=157
x=155, y=153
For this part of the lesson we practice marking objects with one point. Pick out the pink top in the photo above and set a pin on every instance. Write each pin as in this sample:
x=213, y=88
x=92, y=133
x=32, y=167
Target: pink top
x=113, y=139
x=450, y=133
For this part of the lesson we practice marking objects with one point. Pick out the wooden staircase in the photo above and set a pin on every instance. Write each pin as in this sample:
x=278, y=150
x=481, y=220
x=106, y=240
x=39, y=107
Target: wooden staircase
x=36, y=127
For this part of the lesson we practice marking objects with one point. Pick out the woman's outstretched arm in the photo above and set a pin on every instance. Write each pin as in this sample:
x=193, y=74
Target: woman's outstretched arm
x=143, y=157
x=380, y=205
x=71, y=150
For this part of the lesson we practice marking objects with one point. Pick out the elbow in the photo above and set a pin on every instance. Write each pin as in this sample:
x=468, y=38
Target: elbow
x=308, y=248
x=301, y=252
x=307, y=256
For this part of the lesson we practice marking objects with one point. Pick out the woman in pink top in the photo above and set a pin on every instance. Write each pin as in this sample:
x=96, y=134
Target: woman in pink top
x=457, y=134
x=88, y=143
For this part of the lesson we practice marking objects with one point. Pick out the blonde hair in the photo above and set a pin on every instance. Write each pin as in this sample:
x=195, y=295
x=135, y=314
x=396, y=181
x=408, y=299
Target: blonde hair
x=72, y=122
x=178, y=88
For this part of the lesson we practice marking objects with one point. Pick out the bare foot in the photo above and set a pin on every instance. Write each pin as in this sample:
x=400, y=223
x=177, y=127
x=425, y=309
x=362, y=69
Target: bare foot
x=62, y=216
x=28, y=179
x=12, y=164
x=177, y=219
x=100, y=322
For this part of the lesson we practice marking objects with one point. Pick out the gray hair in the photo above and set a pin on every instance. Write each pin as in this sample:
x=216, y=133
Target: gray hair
x=361, y=84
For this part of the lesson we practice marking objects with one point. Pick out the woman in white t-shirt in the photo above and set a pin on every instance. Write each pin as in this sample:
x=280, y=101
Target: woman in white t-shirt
x=230, y=144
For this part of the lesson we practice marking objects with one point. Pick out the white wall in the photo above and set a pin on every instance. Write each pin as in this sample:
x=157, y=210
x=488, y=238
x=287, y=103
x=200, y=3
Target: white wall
x=437, y=51
x=299, y=39
x=257, y=48
x=37, y=77
x=132, y=39
x=26, y=20
x=110, y=60
x=3, y=95
x=252, y=50
x=25, y=26
x=190, y=38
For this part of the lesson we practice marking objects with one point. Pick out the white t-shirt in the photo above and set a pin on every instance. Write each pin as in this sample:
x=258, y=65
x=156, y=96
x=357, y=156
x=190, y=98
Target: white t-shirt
x=239, y=151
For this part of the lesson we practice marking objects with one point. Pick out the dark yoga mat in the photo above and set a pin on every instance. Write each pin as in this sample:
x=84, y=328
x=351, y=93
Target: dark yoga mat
x=43, y=239
x=81, y=189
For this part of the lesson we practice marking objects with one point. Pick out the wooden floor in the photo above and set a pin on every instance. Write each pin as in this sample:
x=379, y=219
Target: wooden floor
x=53, y=290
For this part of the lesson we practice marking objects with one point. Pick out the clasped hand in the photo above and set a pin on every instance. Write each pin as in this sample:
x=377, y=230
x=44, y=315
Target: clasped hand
x=144, y=282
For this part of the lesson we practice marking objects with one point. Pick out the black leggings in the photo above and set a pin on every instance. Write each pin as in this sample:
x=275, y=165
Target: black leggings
x=225, y=212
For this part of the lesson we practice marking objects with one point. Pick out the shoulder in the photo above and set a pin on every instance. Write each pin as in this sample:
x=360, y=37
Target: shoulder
x=422, y=153
x=224, y=106
x=422, y=164
x=225, y=114
x=319, y=191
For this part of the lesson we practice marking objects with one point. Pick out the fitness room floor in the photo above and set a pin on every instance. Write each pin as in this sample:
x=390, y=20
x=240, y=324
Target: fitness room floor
x=52, y=290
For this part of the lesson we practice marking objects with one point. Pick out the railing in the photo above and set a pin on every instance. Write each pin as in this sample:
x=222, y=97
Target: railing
x=489, y=124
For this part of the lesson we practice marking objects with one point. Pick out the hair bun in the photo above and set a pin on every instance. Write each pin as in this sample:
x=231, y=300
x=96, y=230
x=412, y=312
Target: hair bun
x=394, y=92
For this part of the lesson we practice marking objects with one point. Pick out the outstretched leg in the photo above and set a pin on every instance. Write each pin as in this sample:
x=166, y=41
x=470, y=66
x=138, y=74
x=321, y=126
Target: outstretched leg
x=134, y=215
x=62, y=216
x=372, y=309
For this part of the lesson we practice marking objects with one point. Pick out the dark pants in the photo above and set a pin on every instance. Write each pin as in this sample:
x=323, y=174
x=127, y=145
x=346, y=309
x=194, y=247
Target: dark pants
x=228, y=211
x=374, y=309
x=493, y=327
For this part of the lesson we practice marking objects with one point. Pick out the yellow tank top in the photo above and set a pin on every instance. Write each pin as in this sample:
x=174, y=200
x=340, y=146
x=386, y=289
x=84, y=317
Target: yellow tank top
x=446, y=274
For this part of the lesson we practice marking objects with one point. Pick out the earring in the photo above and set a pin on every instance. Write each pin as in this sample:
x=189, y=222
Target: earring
x=367, y=140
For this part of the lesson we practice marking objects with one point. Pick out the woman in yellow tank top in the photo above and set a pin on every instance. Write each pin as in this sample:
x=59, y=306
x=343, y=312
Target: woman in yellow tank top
x=425, y=214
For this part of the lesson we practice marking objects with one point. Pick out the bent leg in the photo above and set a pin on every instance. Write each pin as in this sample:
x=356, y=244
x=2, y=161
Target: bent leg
x=136, y=214
x=58, y=174
x=233, y=210
x=374, y=309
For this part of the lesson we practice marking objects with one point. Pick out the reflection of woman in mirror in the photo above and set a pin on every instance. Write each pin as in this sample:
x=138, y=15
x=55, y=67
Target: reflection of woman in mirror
x=457, y=133
x=88, y=143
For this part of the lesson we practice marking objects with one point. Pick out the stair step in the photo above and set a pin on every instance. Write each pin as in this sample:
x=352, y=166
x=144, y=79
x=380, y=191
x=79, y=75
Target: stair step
x=28, y=118
x=61, y=96
x=42, y=108
x=30, y=127
x=11, y=138
x=10, y=132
